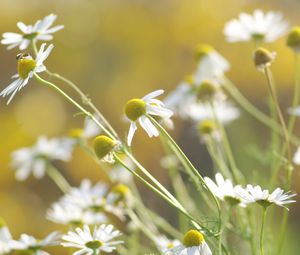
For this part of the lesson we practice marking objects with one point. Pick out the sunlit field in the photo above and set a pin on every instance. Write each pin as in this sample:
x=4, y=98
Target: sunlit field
x=149, y=127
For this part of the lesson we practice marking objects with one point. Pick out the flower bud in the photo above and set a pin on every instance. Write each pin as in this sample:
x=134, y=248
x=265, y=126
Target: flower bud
x=263, y=58
x=293, y=38
x=103, y=145
x=25, y=65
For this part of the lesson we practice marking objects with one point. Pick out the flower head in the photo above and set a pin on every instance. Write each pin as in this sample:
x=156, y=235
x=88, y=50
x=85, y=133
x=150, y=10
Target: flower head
x=39, y=31
x=26, y=67
x=35, y=159
x=258, y=27
x=136, y=110
x=265, y=199
x=224, y=190
x=164, y=244
x=28, y=243
x=293, y=38
x=263, y=58
x=104, y=147
x=193, y=244
x=92, y=242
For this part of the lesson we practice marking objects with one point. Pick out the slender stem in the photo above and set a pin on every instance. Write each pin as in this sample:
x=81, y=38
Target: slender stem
x=261, y=242
x=273, y=93
x=223, y=228
x=83, y=110
x=253, y=111
x=58, y=178
x=235, y=172
x=187, y=161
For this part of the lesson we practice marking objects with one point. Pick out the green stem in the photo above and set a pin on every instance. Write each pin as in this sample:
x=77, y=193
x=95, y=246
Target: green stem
x=83, y=110
x=187, y=161
x=58, y=178
x=261, y=242
x=253, y=111
x=223, y=228
x=273, y=94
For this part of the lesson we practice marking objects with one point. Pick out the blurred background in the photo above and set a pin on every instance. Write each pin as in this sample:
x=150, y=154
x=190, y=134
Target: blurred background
x=116, y=50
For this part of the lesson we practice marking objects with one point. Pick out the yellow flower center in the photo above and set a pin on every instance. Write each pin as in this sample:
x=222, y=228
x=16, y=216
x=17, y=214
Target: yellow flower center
x=30, y=36
x=25, y=66
x=103, y=145
x=94, y=245
x=193, y=238
x=293, y=39
x=202, y=50
x=76, y=132
x=135, y=108
x=121, y=189
x=207, y=126
x=206, y=90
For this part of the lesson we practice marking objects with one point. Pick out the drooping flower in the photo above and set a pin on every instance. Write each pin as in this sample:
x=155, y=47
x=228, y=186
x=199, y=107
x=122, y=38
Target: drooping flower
x=92, y=242
x=27, y=66
x=224, y=190
x=264, y=198
x=39, y=31
x=28, y=243
x=193, y=244
x=104, y=148
x=258, y=27
x=35, y=159
x=136, y=110
x=263, y=58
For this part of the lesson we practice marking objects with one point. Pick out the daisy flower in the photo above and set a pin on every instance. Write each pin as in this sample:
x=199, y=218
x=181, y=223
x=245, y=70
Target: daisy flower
x=35, y=159
x=92, y=242
x=164, y=244
x=28, y=243
x=193, y=244
x=211, y=65
x=39, y=31
x=258, y=27
x=225, y=191
x=136, y=110
x=27, y=66
x=70, y=214
x=105, y=147
x=5, y=239
x=264, y=198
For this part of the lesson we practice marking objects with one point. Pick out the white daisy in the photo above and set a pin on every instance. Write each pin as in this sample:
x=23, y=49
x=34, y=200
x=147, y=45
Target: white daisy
x=296, y=158
x=31, y=244
x=257, y=27
x=87, y=196
x=164, y=244
x=5, y=240
x=35, y=159
x=224, y=190
x=264, y=198
x=70, y=214
x=92, y=242
x=136, y=110
x=225, y=111
x=27, y=66
x=211, y=65
x=39, y=31
x=193, y=244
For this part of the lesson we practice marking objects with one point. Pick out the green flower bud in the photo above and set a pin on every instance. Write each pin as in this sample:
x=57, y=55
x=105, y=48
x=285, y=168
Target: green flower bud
x=192, y=238
x=25, y=65
x=293, y=38
x=135, y=108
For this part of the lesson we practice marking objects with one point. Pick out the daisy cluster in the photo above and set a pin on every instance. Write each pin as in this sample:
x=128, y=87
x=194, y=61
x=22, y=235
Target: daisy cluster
x=88, y=210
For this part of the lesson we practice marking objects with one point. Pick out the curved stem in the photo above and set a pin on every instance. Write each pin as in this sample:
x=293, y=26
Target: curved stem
x=58, y=178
